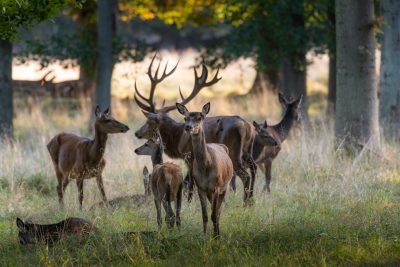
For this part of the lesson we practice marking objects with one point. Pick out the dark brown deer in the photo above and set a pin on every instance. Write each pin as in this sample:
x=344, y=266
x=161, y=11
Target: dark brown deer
x=76, y=157
x=166, y=181
x=30, y=233
x=269, y=139
x=237, y=134
x=212, y=167
x=138, y=199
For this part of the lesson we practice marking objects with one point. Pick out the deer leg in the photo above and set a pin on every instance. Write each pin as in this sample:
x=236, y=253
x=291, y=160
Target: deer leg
x=157, y=203
x=60, y=187
x=253, y=172
x=214, y=215
x=268, y=167
x=219, y=199
x=178, y=204
x=189, y=185
x=79, y=184
x=233, y=183
x=169, y=217
x=203, y=203
x=99, y=180
x=245, y=177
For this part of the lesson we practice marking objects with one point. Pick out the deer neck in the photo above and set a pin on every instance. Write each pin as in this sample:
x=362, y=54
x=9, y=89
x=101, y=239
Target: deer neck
x=157, y=157
x=171, y=133
x=199, y=148
x=284, y=126
x=98, y=145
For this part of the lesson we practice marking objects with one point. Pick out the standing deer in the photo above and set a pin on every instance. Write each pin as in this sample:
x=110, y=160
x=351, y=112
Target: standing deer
x=237, y=134
x=76, y=157
x=30, y=233
x=269, y=139
x=138, y=199
x=212, y=168
x=166, y=181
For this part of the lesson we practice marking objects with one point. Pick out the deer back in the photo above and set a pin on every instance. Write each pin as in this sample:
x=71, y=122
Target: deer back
x=166, y=175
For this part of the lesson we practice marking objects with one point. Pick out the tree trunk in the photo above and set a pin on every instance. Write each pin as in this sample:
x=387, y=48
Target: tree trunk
x=6, y=90
x=390, y=71
x=265, y=81
x=331, y=108
x=294, y=84
x=105, y=56
x=356, y=95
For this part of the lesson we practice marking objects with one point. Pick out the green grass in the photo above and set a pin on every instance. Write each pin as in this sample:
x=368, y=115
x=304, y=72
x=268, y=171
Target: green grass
x=324, y=209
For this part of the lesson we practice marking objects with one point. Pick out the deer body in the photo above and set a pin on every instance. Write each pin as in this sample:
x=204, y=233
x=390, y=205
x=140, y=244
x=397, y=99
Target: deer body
x=212, y=167
x=166, y=181
x=30, y=233
x=79, y=158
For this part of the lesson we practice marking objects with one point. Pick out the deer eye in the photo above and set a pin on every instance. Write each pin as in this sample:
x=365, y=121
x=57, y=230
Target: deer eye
x=198, y=119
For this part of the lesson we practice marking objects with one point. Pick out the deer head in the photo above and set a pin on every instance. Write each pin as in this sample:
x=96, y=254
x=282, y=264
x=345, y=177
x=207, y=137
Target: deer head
x=292, y=106
x=265, y=134
x=152, y=146
x=156, y=116
x=107, y=124
x=26, y=232
x=193, y=120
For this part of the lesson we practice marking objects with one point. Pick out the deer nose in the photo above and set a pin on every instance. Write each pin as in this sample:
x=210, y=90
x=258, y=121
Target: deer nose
x=136, y=151
x=138, y=135
x=187, y=128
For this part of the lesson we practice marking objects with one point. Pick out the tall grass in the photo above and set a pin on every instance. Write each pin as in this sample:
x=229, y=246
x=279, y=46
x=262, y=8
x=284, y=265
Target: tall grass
x=324, y=208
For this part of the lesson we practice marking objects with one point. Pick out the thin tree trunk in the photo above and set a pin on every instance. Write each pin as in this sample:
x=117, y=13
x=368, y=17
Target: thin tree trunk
x=105, y=57
x=6, y=90
x=356, y=95
x=331, y=108
x=390, y=71
x=294, y=84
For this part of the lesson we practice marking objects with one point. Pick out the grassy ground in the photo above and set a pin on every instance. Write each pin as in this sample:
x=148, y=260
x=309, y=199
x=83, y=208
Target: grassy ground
x=324, y=209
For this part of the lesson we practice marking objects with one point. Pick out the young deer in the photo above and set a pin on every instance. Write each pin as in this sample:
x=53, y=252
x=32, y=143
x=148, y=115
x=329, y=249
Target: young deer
x=137, y=198
x=212, y=168
x=166, y=181
x=30, y=233
x=76, y=157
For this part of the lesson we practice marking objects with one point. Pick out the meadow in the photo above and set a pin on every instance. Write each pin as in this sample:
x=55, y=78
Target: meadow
x=324, y=208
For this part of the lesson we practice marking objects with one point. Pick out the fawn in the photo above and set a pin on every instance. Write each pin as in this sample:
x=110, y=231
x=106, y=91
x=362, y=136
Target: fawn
x=166, y=181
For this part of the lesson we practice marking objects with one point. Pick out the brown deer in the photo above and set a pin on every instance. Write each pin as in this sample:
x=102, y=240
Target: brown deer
x=237, y=134
x=138, y=199
x=269, y=139
x=212, y=167
x=76, y=157
x=30, y=233
x=166, y=181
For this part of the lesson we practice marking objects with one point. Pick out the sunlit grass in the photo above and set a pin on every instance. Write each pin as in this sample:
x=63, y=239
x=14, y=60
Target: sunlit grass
x=324, y=208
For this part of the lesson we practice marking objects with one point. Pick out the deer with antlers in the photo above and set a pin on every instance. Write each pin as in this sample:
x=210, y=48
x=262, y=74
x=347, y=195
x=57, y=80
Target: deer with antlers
x=212, y=167
x=237, y=135
x=269, y=138
x=80, y=158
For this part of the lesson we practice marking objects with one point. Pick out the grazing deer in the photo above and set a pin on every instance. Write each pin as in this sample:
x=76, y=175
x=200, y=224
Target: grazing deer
x=212, y=166
x=237, y=134
x=138, y=199
x=269, y=139
x=166, y=181
x=76, y=157
x=30, y=233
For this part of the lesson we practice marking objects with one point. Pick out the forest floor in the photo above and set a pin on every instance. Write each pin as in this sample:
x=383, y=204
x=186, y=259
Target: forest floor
x=324, y=208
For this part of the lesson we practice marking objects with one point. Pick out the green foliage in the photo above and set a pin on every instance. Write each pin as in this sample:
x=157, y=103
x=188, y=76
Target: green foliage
x=25, y=13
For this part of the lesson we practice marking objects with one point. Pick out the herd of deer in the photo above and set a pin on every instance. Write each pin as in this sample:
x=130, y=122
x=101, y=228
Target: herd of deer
x=215, y=149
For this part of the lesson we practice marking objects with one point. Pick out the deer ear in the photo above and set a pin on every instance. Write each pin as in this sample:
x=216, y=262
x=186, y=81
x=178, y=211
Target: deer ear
x=206, y=108
x=145, y=172
x=298, y=101
x=283, y=99
x=107, y=111
x=21, y=225
x=182, y=109
x=97, y=111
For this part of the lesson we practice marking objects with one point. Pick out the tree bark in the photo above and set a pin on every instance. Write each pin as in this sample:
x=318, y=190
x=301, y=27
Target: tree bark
x=6, y=90
x=294, y=84
x=356, y=96
x=105, y=56
x=265, y=81
x=390, y=72
x=331, y=108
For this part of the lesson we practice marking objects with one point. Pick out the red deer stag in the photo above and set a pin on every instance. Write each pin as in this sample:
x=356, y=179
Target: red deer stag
x=269, y=139
x=212, y=168
x=166, y=181
x=237, y=134
x=30, y=233
x=138, y=199
x=76, y=157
